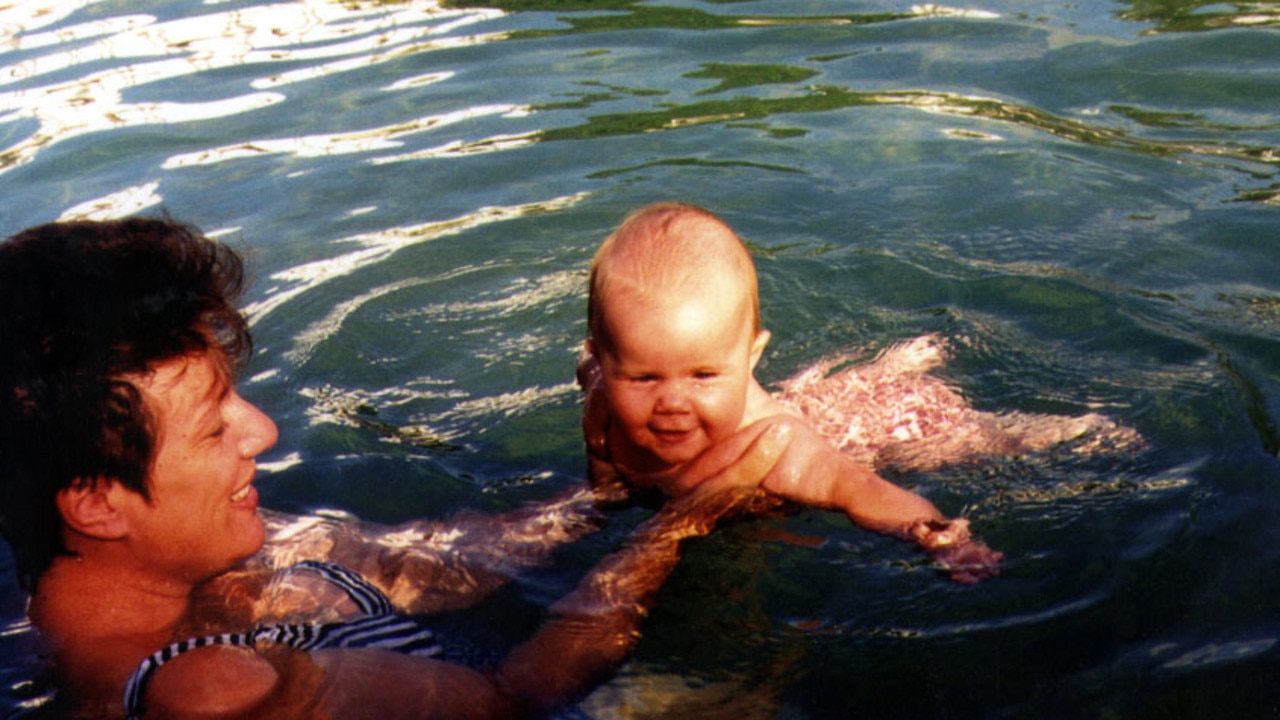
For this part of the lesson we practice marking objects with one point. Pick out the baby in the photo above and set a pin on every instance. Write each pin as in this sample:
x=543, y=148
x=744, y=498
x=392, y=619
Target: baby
x=674, y=338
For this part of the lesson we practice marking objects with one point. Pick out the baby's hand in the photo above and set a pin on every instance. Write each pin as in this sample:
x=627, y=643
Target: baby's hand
x=953, y=548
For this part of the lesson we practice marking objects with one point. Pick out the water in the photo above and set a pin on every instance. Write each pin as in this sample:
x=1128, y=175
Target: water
x=1082, y=196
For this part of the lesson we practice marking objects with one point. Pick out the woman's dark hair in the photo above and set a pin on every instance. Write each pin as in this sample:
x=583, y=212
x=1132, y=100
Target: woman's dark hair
x=82, y=306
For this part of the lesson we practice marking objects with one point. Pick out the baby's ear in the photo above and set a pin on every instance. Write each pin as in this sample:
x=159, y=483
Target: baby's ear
x=758, y=346
x=91, y=507
x=588, y=366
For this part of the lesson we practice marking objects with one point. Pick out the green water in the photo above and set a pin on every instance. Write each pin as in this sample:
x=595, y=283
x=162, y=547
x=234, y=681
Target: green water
x=1082, y=196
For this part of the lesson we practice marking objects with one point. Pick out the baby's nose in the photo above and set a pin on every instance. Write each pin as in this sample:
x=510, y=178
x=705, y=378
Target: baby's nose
x=673, y=397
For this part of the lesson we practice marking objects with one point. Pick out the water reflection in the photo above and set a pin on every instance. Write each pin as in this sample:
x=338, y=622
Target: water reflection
x=1200, y=15
x=360, y=141
x=1253, y=159
x=330, y=37
x=633, y=15
x=1166, y=15
x=318, y=39
x=118, y=204
x=375, y=248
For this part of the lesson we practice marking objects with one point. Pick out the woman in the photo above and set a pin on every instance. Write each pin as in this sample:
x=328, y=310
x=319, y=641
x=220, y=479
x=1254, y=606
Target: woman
x=127, y=463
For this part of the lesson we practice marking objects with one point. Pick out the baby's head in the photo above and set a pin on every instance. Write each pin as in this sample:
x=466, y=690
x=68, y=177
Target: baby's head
x=666, y=252
x=674, y=321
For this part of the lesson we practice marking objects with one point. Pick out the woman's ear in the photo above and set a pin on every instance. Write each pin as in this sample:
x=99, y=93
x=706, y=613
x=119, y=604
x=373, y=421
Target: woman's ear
x=758, y=346
x=92, y=507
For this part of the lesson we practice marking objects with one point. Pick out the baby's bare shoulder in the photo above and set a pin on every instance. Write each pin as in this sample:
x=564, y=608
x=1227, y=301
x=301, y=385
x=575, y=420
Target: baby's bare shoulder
x=761, y=405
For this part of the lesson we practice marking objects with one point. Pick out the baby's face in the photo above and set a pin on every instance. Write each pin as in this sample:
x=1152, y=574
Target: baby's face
x=676, y=376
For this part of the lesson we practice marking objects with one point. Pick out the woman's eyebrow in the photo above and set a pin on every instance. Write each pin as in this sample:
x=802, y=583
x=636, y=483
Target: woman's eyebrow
x=209, y=403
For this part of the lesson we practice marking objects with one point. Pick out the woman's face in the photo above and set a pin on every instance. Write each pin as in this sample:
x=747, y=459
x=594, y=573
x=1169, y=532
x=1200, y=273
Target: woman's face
x=202, y=514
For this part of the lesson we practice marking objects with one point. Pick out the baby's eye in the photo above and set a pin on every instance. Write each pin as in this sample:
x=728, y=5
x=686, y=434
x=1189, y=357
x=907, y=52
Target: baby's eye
x=706, y=375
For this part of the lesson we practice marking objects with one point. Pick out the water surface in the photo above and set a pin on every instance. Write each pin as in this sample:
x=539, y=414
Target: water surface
x=1082, y=196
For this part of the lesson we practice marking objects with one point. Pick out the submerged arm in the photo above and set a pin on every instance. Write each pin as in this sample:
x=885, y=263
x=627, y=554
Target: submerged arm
x=586, y=636
x=430, y=566
x=593, y=629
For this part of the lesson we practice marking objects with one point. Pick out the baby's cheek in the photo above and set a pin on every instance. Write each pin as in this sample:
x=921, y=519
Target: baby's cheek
x=721, y=422
x=631, y=423
x=626, y=434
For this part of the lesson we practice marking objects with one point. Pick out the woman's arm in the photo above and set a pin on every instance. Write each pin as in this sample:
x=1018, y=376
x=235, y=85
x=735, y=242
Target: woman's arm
x=593, y=629
x=432, y=566
x=586, y=637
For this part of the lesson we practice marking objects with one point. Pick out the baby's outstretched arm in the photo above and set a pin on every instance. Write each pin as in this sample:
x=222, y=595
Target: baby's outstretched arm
x=813, y=473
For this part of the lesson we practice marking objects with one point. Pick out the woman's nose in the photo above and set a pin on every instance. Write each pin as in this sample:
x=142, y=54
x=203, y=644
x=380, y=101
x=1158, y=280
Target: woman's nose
x=260, y=431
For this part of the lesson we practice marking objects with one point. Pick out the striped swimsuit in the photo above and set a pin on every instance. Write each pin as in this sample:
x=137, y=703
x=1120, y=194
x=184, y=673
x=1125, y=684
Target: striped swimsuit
x=380, y=628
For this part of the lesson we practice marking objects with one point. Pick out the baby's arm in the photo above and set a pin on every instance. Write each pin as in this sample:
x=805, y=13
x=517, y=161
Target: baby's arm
x=813, y=473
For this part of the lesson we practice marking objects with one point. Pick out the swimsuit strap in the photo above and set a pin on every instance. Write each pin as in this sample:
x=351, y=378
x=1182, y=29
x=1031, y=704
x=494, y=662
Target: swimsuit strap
x=387, y=632
x=138, y=680
x=379, y=629
x=364, y=594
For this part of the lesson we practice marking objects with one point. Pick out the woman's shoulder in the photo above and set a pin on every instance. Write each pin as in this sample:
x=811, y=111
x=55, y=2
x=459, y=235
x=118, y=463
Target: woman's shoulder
x=100, y=640
x=212, y=682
